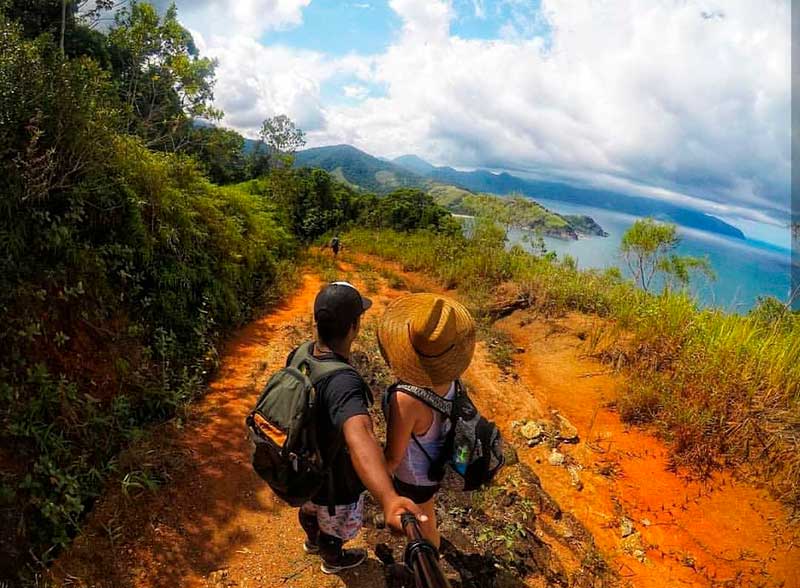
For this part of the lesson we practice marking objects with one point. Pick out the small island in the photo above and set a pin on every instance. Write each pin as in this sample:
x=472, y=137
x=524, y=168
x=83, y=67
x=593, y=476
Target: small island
x=516, y=211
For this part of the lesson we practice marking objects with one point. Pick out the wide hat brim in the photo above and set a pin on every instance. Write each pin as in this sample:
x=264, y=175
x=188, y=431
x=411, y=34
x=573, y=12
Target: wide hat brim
x=406, y=362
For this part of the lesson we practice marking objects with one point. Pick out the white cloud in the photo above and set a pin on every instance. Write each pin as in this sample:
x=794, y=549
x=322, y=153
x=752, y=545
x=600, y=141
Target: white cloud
x=647, y=97
x=251, y=18
x=424, y=21
x=255, y=81
x=356, y=91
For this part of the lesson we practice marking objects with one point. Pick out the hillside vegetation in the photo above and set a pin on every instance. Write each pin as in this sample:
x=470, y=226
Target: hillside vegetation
x=516, y=211
x=361, y=169
x=358, y=168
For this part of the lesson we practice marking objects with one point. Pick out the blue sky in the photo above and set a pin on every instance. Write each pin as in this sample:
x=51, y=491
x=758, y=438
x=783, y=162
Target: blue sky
x=679, y=100
x=370, y=26
x=364, y=27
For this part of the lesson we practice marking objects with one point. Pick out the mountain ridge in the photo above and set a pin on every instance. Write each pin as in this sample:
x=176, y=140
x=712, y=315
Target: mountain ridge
x=504, y=183
x=359, y=168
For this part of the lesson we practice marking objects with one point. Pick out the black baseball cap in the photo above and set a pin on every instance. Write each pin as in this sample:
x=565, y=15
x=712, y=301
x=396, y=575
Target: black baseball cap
x=339, y=304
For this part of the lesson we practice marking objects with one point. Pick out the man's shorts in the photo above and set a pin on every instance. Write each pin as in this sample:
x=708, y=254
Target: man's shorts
x=344, y=524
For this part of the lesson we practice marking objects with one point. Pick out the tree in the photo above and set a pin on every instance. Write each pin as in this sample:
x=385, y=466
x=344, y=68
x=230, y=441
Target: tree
x=648, y=249
x=220, y=152
x=56, y=17
x=282, y=139
x=164, y=83
x=406, y=209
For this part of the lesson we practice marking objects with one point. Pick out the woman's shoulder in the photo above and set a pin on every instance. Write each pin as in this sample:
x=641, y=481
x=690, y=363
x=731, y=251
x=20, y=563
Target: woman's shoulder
x=405, y=399
x=410, y=407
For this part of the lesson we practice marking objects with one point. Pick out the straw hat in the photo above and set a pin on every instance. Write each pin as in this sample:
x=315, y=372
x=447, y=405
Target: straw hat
x=427, y=339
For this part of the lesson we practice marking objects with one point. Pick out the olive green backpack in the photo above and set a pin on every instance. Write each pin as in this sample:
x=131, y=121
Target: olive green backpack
x=283, y=428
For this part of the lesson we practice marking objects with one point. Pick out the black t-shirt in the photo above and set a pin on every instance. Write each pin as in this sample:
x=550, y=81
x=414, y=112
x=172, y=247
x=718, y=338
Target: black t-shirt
x=341, y=395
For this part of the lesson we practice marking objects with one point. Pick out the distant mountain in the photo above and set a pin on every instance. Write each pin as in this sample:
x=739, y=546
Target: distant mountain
x=414, y=164
x=250, y=145
x=358, y=168
x=504, y=183
x=361, y=169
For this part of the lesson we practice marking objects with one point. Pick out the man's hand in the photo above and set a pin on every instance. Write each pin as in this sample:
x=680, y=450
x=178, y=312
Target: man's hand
x=395, y=507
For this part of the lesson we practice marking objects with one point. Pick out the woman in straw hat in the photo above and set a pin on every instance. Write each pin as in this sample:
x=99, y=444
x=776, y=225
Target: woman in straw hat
x=428, y=341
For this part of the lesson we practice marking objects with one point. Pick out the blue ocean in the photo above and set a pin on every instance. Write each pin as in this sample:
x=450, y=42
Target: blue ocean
x=744, y=270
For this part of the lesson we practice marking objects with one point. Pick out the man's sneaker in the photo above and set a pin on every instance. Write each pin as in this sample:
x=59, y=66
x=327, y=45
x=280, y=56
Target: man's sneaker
x=348, y=558
x=310, y=548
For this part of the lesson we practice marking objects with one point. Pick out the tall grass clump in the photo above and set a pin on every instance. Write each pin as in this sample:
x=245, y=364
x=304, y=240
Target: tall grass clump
x=723, y=388
x=728, y=387
x=479, y=262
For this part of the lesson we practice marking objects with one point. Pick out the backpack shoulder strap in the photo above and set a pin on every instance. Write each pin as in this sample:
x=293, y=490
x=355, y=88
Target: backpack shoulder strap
x=317, y=369
x=427, y=397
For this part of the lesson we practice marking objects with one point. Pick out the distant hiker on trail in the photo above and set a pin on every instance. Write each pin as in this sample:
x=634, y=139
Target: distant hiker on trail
x=428, y=341
x=314, y=441
x=335, y=245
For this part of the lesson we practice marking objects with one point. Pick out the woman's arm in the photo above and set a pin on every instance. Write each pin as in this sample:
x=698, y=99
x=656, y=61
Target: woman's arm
x=368, y=463
x=405, y=416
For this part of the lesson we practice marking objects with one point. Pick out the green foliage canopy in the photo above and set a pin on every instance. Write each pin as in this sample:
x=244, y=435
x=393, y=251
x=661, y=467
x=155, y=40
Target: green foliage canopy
x=162, y=81
x=120, y=267
x=406, y=209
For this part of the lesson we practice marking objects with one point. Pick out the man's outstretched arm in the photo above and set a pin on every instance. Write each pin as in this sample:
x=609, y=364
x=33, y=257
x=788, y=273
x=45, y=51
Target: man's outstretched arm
x=370, y=466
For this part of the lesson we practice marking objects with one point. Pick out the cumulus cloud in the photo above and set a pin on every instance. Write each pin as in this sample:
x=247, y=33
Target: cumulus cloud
x=255, y=81
x=424, y=21
x=682, y=100
x=240, y=18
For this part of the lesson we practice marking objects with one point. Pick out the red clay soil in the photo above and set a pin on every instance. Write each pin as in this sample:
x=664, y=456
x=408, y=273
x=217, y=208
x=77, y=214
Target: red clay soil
x=214, y=523
x=717, y=532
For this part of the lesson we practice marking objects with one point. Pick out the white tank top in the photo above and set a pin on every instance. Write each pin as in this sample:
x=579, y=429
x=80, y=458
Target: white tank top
x=414, y=467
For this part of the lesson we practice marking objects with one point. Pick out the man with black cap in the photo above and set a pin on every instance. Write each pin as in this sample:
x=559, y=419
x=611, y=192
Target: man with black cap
x=347, y=438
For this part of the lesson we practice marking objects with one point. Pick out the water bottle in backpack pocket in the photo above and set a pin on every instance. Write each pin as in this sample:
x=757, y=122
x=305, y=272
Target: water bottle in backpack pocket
x=473, y=447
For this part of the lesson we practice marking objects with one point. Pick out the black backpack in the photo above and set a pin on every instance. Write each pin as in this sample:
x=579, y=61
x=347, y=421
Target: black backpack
x=283, y=429
x=473, y=447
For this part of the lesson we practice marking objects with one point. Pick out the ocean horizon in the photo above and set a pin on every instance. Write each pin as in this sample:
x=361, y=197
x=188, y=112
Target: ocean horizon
x=745, y=269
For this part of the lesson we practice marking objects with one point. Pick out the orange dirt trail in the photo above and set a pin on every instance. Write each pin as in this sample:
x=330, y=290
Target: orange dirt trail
x=214, y=523
x=714, y=533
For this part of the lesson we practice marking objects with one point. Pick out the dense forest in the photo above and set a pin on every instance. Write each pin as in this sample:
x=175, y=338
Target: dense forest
x=132, y=238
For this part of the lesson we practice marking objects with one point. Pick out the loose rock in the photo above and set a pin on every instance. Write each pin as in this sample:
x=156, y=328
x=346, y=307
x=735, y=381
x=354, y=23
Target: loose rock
x=566, y=431
x=626, y=527
x=633, y=545
x=532, y=431
x=575, y=478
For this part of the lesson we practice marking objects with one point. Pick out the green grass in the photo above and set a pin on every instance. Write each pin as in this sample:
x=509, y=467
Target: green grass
x=723, y=389
x=499, y=345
